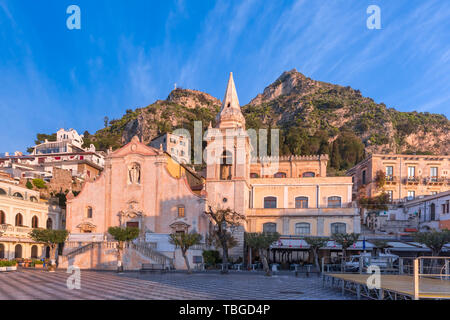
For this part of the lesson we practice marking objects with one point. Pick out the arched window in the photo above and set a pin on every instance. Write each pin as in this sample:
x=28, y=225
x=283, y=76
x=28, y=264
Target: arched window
x=334, y=202
x=309, y=175
x=338, y=227
x=270, y=227
x=302, y=228
x=49, y=223
x=225, y=165
x=18, y=251
x=270, y=202
x=19, y=220
x=35, y=222
x=2, y=217
x=2, y=251
x=33, y=199
x=254, y=175
x=2, y=192
x=432, y=212
x=301, y=202
x=181, y=213
x=34, y=252
x=18, y=195
x=89, y=212
x=280, y=175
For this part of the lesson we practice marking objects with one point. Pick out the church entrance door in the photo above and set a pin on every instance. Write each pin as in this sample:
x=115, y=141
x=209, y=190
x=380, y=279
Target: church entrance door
x=133, y=224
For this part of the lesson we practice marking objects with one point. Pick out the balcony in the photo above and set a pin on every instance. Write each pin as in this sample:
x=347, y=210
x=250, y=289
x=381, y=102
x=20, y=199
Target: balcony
x=411, y=180
x=390, y=180
x=293, y=212
x=9, y=231
x=434, y=180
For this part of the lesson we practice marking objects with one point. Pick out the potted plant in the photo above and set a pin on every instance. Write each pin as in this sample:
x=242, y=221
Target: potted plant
x=6, y=265
x=39, y=264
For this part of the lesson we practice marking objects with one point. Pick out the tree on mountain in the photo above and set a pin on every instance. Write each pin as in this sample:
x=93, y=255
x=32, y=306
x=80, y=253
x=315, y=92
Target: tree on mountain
x=351, y=149
x=335, y=161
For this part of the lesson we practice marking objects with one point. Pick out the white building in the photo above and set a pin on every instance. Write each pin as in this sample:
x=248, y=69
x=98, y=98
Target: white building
x=425, y=213
x=64, y=153
x=176, y=145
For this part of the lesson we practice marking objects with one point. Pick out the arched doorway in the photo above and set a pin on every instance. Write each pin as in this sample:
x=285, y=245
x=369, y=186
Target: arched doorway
x=47, y=252
x=34, y=252
x=18, y=251
x=2, y=251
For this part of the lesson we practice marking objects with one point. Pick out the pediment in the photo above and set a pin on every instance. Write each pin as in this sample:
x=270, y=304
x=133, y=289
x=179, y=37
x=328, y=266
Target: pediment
x=135, y=146
x=86, y=226
x=180, y=226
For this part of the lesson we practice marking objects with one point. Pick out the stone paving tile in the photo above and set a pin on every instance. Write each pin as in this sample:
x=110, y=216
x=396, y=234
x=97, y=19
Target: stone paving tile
x=42, y=285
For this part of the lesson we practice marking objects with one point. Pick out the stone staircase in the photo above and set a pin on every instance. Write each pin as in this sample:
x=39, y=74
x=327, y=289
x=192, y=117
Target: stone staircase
x=149, y=250
x=102, y=255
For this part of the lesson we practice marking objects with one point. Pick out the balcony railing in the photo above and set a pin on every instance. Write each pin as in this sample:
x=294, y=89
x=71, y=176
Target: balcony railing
x=411, y=180
x=434, y=180
x=9, y=230
x=391, y=179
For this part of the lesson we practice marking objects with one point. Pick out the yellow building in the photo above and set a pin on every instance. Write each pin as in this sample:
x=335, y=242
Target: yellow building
x=21, y=210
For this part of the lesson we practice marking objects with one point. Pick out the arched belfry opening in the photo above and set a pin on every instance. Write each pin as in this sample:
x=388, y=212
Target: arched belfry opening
x=226, y=165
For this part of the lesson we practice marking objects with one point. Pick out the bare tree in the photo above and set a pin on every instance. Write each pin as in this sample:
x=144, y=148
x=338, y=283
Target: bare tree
x=224, y=219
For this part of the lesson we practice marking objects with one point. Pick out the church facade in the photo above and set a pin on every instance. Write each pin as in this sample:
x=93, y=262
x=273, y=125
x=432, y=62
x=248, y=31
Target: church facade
x=143, y=187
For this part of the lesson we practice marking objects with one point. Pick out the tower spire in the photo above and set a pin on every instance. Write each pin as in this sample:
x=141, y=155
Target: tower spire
x=230, y=115
x=231, y=99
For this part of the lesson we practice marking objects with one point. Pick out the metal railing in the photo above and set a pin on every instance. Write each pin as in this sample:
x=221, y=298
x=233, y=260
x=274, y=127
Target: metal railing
x=430, y=267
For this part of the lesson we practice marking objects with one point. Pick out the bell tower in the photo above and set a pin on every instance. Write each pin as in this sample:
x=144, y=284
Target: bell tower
x=228, y=156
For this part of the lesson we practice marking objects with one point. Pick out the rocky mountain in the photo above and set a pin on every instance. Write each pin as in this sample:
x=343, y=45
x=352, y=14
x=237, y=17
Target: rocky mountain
x=295, y=101
x=313, y=117
x=179, y=110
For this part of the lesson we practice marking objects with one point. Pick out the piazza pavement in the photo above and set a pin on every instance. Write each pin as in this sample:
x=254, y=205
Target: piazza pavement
x=100, y=285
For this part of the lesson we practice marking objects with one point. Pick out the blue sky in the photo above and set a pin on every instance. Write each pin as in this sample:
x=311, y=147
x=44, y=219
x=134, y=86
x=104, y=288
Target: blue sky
x=130, y=53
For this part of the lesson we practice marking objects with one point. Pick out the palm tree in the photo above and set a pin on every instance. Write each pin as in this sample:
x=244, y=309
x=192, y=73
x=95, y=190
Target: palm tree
x=184, y=241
